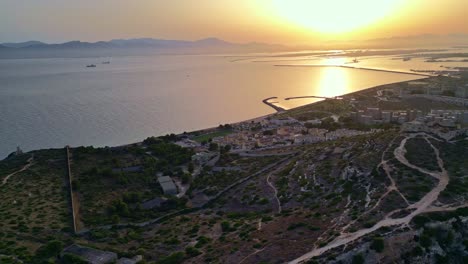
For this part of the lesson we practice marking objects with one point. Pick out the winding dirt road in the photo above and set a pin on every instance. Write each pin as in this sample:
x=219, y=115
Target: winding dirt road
x=25, y=167
x=419, y=207
x=275, y=192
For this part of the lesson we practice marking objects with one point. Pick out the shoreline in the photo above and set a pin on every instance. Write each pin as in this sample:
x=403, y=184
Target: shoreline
x=356, y=68
x=338, y=97
x=258, y=118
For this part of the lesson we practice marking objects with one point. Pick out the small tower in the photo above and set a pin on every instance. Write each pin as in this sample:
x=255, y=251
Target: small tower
x=18, y=151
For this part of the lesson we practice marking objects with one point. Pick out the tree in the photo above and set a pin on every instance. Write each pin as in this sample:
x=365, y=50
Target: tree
x=377, y=244
x=186, y=178
x=191, y=167
x=151, y=141
x=175, y=258
x=213, y=146
x=225, y=226
x=358, y=259
x=225, y=149
x=425, y=241
x=72, y=259
x=51, y=249
x=120, y=208
x=192, y=252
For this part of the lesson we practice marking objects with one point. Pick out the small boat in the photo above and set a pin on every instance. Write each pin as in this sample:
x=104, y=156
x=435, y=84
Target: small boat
x=106, y=62
x=91, y=66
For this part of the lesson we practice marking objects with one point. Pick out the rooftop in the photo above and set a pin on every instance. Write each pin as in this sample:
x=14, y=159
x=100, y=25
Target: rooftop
x=93, y=256
x=167, y=185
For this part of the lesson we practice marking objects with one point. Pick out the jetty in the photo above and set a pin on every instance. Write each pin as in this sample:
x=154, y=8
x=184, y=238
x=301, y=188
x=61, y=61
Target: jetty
x=352, y=67
x=272, y=104
x=314, y=96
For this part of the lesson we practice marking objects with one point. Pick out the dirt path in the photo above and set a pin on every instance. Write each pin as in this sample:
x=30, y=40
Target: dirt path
x=420, y=207
x=25, y=167
x=275, y=192
x=445, y=209
x=442, y=176
x=392, y=187
x=252, y=254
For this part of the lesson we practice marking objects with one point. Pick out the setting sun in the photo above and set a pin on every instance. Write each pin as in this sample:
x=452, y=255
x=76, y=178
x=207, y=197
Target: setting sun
x=335, y=16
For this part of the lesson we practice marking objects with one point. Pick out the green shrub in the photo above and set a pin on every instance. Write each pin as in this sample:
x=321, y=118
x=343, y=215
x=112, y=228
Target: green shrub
x=226, y=226
x=358, y=259
x=51, y=249
x=425, y=241
x=192, y=252
x=378, y=244
x=72, y=259
x=175, y=258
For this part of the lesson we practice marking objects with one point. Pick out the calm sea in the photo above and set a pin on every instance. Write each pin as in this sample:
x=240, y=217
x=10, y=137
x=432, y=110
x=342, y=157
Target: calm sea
x=48, y=103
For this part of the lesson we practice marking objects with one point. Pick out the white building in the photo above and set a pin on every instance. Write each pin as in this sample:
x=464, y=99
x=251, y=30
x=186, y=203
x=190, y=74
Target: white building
x=167, y=185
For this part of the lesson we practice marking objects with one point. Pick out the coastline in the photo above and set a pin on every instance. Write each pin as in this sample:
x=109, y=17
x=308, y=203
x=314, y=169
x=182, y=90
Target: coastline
x=335, y=97
x=265, y=101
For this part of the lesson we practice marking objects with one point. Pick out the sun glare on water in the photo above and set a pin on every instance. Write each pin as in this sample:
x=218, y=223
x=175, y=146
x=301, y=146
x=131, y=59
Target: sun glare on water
x=335, y=16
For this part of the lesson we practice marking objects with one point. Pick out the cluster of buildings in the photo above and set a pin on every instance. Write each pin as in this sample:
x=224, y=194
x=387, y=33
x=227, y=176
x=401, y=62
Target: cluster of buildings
x=319, y=135
x=281, y=132
x=373, y=116
x=450, y=119
x=444, y=118
x=437, y=88
x=444, y=99
x=268, y=132
x=267, y=136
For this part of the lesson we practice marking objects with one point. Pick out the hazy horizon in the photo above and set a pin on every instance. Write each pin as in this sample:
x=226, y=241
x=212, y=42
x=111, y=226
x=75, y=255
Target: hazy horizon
x=295, y=23
x=213, y=44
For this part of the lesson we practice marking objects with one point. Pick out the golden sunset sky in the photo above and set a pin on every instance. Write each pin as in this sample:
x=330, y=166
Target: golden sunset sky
x=291, y=22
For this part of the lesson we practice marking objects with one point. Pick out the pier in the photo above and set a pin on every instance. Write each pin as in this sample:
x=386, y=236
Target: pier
x=314, y=96
x=272, y=105
x=356, y=68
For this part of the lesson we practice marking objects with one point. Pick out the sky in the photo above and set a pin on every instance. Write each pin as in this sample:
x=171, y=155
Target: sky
x=289, y=22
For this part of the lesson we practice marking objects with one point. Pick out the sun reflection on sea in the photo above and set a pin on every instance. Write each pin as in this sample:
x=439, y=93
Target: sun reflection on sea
x=329, y=81
x=333, y=82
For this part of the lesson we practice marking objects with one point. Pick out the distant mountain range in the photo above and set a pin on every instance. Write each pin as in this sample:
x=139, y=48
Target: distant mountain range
x=140, y=46
x=141, y=43
x=144, y=46
x=22, y=44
